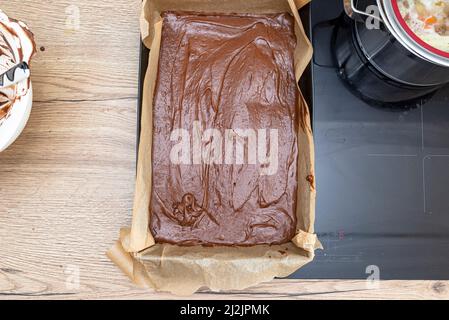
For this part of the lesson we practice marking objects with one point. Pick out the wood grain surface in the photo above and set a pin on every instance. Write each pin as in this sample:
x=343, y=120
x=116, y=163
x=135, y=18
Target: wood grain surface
x=66, y=185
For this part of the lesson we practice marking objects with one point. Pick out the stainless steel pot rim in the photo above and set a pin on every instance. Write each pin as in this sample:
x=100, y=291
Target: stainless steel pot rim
x=381, y=70
x=386, y=22
x=394, y=25
x=402, y=40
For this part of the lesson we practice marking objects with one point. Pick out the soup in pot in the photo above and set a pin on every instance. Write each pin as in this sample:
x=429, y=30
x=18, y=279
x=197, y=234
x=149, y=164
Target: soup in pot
x=429, y=20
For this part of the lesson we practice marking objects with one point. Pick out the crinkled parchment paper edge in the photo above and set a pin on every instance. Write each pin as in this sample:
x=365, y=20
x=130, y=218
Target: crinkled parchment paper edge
x=183, y=270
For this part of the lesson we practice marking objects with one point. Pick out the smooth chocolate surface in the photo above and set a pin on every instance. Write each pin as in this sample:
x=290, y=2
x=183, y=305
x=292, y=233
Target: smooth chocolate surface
x=227, y=73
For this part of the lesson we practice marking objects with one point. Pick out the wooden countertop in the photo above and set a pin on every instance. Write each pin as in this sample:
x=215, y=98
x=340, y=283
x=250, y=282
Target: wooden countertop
x=66, y=185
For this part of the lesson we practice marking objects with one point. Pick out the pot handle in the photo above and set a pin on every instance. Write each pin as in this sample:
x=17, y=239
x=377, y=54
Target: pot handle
x=356, y=14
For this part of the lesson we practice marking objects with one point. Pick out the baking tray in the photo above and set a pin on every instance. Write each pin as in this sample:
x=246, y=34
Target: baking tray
x=305, y=83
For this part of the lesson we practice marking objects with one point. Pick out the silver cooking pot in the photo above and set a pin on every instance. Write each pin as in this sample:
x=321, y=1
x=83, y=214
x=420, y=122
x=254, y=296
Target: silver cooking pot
x=390, y=48
x=380, y=63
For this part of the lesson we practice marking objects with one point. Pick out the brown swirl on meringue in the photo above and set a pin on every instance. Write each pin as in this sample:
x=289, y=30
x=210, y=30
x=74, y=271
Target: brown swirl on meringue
x=16, y=45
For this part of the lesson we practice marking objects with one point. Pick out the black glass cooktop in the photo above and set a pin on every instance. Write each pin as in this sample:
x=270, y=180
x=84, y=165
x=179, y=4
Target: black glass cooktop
x=382, y=178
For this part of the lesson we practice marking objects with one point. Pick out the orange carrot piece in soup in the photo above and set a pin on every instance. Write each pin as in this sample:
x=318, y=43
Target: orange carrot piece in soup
x=431, y=20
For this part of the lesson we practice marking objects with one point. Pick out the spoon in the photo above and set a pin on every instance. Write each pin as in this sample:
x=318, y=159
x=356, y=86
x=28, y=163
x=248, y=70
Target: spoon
x=14, y=75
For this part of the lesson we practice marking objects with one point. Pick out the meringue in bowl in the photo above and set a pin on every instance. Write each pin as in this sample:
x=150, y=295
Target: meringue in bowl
x=16, y=46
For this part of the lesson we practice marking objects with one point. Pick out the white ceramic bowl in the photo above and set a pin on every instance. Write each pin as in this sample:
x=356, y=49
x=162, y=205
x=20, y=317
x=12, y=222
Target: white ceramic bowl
x=20, y=40
x=13, y=125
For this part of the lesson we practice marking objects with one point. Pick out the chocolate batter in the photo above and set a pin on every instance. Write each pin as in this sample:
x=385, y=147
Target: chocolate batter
x=224, y=72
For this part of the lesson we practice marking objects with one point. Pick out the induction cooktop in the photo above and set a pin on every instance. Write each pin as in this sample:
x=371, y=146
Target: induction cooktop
x=382, y=177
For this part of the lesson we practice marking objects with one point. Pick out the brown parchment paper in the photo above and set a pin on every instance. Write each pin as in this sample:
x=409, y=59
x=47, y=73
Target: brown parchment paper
x=183, y=270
